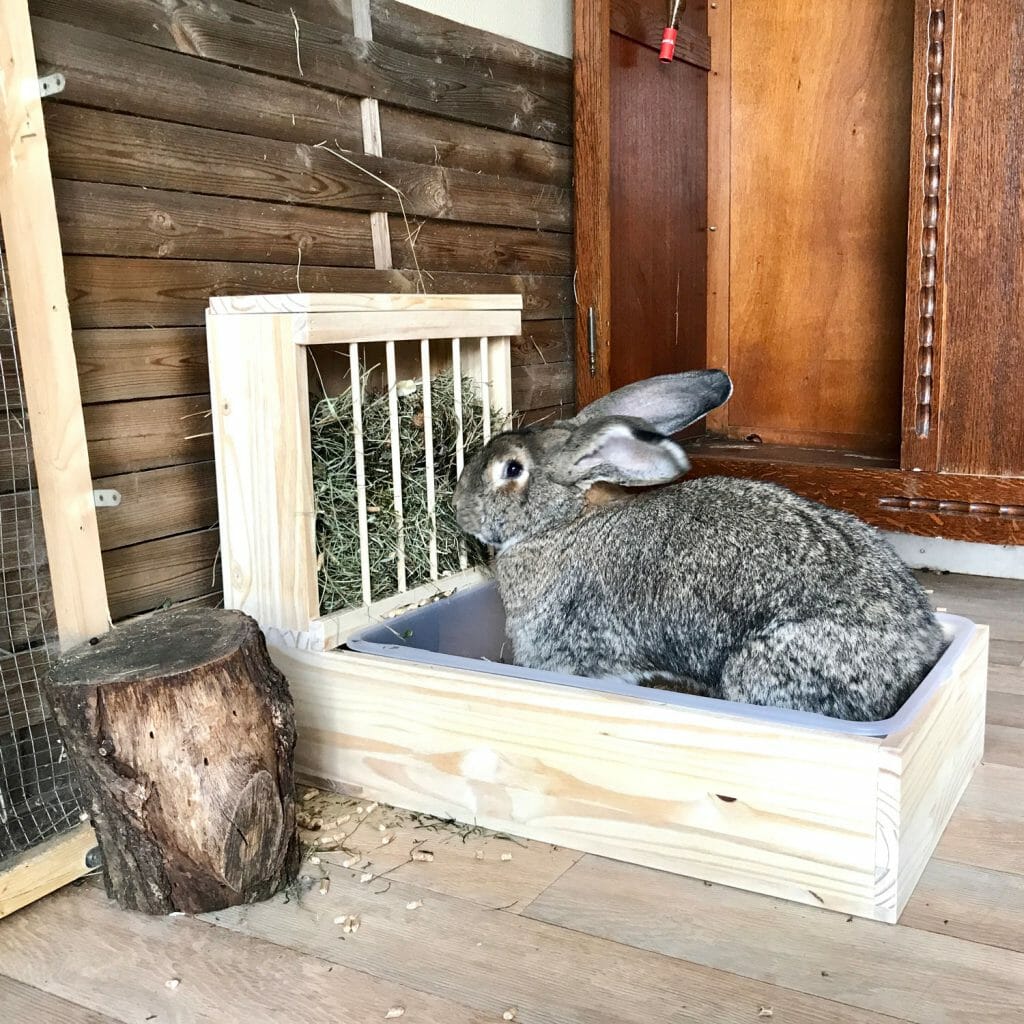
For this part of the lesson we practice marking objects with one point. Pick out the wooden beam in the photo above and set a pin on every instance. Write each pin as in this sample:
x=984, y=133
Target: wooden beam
x=225, y=32
x=591, y=197
x=719, y=196
x=35, y=265
x=95, y=145
x=31, y=876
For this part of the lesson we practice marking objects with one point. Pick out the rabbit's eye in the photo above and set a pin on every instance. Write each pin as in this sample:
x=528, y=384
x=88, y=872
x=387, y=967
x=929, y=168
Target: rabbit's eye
x=512, y=470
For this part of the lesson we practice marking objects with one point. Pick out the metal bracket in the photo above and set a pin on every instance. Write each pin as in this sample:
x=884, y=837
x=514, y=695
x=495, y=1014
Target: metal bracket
x=106, y=499
x=592, y=340
x=50, y=85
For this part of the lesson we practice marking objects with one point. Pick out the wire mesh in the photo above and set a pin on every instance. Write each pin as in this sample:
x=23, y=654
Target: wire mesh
x=39, y=797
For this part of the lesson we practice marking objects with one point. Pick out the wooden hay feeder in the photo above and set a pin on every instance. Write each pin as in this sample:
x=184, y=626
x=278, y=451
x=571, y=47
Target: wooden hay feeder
x=777, y=804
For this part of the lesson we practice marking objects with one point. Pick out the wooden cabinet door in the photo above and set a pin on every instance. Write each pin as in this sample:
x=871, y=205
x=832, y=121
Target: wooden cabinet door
x=644, y=262
x=640, y=194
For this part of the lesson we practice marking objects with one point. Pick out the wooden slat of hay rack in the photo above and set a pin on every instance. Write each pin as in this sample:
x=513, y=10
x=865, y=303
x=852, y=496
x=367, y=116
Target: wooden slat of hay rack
x=39, y=297
x=260, y=399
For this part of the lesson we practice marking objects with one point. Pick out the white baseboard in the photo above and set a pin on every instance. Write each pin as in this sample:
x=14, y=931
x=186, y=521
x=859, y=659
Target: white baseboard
x=1006, y=561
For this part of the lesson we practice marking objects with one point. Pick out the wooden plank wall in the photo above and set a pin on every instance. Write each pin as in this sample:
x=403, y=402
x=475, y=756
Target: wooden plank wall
x=187, y=158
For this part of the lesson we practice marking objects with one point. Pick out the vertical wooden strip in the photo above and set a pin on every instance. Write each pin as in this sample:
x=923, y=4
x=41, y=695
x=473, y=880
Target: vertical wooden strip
x=485, y=387
x=460, y=437
x=259, y=388
x=925, y=319
x=357, y=433
x=396, y=465
x=591, y=193
x=369, y=112
x=501, y=377
x=428, y=456
x=719, y=192
x=39, y=296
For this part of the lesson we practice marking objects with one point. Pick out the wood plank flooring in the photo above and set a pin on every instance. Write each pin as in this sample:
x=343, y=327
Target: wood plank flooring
x=457, y=925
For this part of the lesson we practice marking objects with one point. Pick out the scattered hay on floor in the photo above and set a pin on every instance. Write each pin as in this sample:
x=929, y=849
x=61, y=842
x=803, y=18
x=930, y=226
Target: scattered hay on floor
x=336, y=494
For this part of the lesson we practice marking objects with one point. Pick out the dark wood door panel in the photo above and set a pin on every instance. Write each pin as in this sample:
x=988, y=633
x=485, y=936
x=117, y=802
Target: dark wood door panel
x=984, y=509
x=820, y=119
x=980, y=417
x=658, y=214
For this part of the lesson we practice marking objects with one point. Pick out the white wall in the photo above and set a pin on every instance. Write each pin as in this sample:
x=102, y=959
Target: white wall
x=546, y=24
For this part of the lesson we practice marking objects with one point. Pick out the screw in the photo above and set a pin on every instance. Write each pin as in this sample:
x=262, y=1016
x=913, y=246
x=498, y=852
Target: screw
x=712, y=227
x=93, y=859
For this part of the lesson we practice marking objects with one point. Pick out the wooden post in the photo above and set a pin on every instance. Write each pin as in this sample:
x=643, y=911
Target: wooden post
x=36, y=267
x=183, y=733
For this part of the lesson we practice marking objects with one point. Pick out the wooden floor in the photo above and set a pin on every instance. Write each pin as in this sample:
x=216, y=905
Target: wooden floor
x=456, y=926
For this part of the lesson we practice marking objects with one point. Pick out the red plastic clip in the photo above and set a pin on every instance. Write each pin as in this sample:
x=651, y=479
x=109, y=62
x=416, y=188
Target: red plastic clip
x=668, y=45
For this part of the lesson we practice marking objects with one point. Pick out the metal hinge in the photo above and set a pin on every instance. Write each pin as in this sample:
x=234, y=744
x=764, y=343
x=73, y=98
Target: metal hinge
x=50, y=85
x=106, y=498
x=592, y=340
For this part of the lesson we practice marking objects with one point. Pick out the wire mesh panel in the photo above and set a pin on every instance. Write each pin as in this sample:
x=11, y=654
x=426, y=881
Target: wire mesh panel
x=39, y=798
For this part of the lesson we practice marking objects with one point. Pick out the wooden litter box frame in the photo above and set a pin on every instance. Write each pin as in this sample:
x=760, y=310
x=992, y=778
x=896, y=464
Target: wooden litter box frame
x=846, y=822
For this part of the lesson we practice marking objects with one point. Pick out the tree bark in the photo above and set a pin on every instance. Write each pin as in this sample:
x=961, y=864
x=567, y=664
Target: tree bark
x=183, y=734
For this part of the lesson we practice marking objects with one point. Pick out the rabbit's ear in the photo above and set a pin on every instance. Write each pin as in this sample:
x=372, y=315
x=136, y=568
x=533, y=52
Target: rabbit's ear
x=670, y=402
x=619, y=451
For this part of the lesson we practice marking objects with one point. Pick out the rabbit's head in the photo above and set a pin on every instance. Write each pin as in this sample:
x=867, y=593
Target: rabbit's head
x=526, y=482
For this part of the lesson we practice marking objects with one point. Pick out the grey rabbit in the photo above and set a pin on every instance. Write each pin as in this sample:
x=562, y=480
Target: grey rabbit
x=723, y=587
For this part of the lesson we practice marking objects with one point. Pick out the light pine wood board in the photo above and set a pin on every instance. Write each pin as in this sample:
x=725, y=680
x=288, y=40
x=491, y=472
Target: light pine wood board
x=39, y=295
x=356, y=303
x=82, y=948
x=407, y=325
x=492, y=960
x=924, y=977
x=924, y=772
x=31, y=875
x=497, y=749
x=259, y=397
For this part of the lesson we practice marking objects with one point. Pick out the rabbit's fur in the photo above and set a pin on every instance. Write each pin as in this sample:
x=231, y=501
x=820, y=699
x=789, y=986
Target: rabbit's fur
x=725, y=587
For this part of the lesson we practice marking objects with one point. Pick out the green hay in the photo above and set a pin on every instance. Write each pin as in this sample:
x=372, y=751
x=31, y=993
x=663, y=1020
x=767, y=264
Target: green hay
x=336, y=495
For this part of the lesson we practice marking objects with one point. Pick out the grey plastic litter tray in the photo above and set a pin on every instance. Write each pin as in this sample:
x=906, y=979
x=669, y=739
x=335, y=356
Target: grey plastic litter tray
x=467, y=631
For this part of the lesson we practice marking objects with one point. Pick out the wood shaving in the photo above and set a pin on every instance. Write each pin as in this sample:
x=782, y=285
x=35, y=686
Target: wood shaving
x=172, y=983
x=384, y=840
x=414, y=905
x=509, y=1014
x=479, y=855
x=382, y=827
x=351, y=925
x=422, y=855
x=395, y=1011
x=351, y=862
x=308, y=795
x=325, y=886
x=341, y=919
x=372, y=807
x=359, y=809
x=506, y=856
x=367, y=876
x=766, y=1011
x=314, y=860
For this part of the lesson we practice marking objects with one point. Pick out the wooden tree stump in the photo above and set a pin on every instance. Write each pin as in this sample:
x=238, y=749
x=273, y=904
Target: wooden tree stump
x=183, y=734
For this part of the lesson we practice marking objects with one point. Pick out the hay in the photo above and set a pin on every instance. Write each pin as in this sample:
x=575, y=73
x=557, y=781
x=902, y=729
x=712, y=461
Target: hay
x=336, y=495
